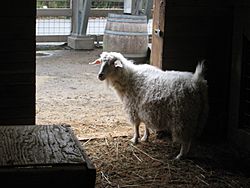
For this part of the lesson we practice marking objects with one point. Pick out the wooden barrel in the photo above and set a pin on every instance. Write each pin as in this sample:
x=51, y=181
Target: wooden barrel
x=127, y=34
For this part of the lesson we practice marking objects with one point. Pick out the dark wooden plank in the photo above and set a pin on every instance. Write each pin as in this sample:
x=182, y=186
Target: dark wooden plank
x=17, y=45
x=18, y=56
x=18, y=8
x=12, y=111
x=45, y=155
x=16, y=78
x=15, y=90
x=19, y=121
x=17, y=66
x=19, y=21
x=16, y=102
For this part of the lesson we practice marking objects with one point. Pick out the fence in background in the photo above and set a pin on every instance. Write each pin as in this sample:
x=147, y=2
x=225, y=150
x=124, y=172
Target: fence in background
x=53, y=22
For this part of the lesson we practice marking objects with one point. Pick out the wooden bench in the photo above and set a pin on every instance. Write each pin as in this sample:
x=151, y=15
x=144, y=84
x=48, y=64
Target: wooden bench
x=43, y=155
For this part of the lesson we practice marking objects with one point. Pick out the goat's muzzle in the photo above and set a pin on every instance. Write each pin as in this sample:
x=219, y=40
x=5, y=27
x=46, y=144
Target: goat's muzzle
x=101, y=77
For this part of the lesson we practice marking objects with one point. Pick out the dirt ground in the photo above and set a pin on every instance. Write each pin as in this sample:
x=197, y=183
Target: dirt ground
x=68, y=92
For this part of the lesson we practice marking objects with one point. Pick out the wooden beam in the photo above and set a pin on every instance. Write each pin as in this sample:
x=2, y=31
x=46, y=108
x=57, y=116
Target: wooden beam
x=52, y=38
x=54, y=12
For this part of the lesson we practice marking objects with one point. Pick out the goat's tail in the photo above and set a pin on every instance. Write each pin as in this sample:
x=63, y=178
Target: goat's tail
x=198, y=76
x=199, y=71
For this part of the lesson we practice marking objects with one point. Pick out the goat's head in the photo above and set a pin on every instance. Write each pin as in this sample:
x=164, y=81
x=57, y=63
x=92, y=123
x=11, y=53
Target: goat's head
x=109, y=65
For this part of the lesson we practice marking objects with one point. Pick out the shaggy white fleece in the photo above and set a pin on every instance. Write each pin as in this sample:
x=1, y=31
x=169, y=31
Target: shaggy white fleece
x=163, y=100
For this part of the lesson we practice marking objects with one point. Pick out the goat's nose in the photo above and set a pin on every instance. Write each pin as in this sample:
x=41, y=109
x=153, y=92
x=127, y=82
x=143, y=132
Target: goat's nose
x=101, y=76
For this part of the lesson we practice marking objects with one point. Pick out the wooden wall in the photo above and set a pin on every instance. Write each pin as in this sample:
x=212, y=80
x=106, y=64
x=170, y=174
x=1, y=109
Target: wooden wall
x=196, y=30
x=239, y=106
x=17, y=62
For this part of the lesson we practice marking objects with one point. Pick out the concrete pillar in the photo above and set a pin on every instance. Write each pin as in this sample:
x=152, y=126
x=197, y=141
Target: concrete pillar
x=80, y=13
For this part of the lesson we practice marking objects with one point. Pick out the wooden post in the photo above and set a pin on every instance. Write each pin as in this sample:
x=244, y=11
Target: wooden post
x=158, y=32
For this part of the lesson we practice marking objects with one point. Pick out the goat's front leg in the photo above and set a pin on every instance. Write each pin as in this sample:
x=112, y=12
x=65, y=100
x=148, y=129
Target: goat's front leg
x=146, y=134
x=136, y=136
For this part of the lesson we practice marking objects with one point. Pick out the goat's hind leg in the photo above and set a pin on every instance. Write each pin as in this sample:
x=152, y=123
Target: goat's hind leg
x=185, y=147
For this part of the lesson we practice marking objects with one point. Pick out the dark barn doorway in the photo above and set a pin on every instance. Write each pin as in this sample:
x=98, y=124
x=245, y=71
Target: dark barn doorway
x=17, y=67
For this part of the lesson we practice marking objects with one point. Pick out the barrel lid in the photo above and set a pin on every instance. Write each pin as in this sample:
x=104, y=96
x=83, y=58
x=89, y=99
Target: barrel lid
x=125, y=16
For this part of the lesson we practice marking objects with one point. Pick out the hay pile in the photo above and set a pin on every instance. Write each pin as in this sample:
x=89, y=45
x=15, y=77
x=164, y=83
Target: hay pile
x=121, y=164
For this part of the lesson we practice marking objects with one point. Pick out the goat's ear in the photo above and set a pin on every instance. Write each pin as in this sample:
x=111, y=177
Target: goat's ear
x=118, y=63
x=96, y=62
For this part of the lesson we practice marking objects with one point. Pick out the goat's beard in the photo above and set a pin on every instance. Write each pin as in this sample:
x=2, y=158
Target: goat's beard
x=107, y=82
x=116, y=86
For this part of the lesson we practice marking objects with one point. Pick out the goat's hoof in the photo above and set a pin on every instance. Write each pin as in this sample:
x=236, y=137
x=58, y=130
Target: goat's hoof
x=144, y=139
x=134, y=140
x=178, y=157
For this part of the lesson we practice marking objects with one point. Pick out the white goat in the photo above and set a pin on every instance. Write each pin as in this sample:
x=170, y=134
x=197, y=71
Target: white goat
x=163, y=100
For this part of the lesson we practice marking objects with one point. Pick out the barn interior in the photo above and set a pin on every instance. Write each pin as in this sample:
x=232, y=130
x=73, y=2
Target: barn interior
x=183, y=33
